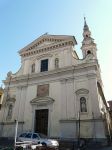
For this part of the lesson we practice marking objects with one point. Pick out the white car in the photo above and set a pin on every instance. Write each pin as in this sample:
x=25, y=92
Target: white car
x=38, y=138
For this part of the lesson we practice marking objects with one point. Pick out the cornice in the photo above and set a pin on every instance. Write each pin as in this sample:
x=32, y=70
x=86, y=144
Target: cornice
x=82, y=120
x=24, y=78
x=10, y=122
x=46, y=48
x=42, y=56
x=47, y=38
x=86, y=64
x=60, y=74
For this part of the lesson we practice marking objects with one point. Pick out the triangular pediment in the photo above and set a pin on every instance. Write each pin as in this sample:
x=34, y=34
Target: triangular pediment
x=45, y=43
x=47, y=40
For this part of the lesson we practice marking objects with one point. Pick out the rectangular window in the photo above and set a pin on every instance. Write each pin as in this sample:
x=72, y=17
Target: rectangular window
x=44, y=65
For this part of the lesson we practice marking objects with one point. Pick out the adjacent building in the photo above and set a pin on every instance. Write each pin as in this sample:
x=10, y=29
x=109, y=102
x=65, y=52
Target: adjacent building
x=1, y=96
x=54, y=90
x=110, y=112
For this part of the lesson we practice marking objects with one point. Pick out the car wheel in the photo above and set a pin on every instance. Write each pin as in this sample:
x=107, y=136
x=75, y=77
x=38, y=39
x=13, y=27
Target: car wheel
x=44, y=144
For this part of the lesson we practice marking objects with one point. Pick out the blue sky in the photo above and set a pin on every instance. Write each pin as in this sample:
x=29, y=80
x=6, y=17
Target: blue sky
x=22, y=21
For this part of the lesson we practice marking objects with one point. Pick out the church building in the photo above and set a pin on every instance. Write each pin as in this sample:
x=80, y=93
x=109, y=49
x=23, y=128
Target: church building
x=54, y=90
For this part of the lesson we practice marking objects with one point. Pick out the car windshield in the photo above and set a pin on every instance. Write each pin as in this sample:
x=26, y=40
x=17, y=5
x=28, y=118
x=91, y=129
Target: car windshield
x=35, y=136
x=23, y=135
x=42, y=135
x=28, y=135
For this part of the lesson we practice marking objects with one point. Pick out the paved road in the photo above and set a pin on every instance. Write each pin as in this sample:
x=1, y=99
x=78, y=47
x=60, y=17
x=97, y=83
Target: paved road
x=105, y=148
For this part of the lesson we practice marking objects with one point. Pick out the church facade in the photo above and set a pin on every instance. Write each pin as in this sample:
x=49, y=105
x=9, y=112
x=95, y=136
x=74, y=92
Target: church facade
x=54, y=91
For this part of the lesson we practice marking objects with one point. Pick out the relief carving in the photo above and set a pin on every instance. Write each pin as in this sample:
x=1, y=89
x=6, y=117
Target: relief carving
x=43, y=90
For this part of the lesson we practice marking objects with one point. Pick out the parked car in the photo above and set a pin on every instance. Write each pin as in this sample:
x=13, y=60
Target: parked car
x=37, y=138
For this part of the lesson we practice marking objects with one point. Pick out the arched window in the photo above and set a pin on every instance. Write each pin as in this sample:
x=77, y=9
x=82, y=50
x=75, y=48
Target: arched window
x=33, y=68
x=88, y=52
x=83, y=107
x=56, y=63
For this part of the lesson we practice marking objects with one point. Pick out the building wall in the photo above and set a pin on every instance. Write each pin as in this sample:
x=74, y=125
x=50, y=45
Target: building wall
x=67, y=84
x=64, y=111
x=64, y=55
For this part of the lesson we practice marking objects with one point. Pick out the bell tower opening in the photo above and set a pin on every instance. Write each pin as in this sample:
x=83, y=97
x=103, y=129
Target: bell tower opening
x=88, y=52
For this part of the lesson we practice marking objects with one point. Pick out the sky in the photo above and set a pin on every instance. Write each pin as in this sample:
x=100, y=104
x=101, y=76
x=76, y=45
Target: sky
x=22, y=21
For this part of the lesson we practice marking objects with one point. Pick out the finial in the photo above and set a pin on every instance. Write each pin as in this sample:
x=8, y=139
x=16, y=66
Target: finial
x=45, y=33
x=84, y=18
x=85, y=21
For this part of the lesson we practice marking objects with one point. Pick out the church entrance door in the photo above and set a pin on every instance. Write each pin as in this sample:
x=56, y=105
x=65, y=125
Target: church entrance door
x=41, y=121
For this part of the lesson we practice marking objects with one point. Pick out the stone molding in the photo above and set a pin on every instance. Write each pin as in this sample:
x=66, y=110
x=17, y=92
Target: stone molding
x=11, y=123
x=67, y=80
x=10, y=100
x=82, y=91
x=46, y=48
x=81, y=120
x=42, y=56
x=24, y=79
x=48, y=40
x=40, y=101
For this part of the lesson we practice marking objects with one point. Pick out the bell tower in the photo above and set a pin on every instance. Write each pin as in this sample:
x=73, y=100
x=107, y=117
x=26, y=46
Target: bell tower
x=88, y=45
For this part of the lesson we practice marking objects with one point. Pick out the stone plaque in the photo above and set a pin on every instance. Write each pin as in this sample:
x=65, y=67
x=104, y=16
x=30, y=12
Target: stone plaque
x=43, y=90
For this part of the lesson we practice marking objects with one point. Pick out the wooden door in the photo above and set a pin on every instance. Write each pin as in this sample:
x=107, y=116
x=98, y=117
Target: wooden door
x=41, y=121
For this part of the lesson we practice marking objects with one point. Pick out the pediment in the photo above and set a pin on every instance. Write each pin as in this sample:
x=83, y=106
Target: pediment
x=44, y=43
x=47, y=40
x=42, y=101
x=82, y=91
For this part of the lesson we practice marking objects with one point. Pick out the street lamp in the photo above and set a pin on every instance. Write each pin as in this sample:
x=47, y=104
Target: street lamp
x=79, y=130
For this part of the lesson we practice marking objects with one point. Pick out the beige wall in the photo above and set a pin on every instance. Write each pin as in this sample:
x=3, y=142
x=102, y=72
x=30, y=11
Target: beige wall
x=73, y=79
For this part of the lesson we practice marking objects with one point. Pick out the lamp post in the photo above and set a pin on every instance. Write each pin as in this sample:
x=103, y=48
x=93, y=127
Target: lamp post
x=16, y=128
x=79, y=130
